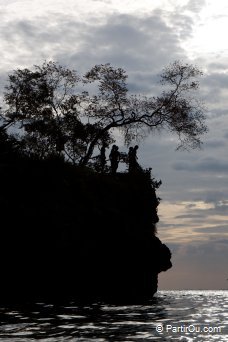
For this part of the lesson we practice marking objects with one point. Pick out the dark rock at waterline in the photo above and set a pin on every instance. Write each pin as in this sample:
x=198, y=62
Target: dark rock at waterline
x=68, y=232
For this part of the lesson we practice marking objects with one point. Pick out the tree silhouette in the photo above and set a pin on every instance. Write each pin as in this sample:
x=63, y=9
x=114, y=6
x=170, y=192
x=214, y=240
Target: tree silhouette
x=57, y=116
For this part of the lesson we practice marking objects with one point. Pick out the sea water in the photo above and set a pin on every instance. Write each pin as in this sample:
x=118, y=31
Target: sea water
x=169, y=316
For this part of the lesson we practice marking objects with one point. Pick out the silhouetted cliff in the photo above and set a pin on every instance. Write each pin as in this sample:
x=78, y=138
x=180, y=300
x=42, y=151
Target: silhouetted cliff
x=68, y=232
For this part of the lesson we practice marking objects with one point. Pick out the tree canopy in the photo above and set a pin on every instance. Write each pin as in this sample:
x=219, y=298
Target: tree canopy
x=59, y=112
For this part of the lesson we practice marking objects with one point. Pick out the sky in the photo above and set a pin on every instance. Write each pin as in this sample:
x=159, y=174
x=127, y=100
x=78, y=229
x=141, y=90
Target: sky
x=143, y=37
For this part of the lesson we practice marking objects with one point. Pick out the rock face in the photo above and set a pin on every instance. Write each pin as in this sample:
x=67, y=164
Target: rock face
x=73, y=233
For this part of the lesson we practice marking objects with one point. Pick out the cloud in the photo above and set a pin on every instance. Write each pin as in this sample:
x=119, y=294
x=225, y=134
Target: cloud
x=214, y=144
x=186, y=221
x=195, y=6
x=215, y=196
x=214, y=92
x=205, y=210
x=208, y=165
x=190, y=216
x=210, y=248
x=214, y=80
x=217, y=66
x=141, y=45
x=214, y=230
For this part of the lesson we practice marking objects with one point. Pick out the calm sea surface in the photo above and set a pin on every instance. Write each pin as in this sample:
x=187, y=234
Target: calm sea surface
x=170, y=315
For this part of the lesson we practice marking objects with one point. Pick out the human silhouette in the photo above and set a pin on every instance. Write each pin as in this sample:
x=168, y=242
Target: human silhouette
x=114, y=157
x=132, y=159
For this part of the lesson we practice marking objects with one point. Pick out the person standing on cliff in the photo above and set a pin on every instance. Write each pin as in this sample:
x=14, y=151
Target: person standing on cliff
x=114, y=157
x=132, y=159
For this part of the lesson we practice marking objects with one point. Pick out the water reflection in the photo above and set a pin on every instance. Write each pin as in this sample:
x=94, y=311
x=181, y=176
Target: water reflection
x=107, y=322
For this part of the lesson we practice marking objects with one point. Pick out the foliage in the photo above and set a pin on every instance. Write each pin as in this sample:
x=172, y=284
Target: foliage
x=58, y=117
